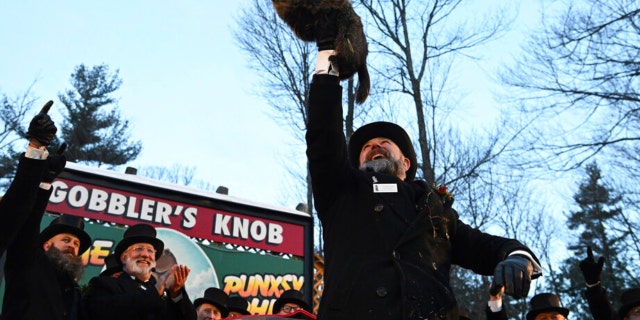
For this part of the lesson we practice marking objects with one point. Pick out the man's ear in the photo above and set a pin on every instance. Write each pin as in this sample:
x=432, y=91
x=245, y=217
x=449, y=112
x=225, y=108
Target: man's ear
x=407, y=163
x=46, y=245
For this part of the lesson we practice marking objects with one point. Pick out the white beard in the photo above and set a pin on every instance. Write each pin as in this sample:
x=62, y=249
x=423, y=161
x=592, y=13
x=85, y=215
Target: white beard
x=132, y=268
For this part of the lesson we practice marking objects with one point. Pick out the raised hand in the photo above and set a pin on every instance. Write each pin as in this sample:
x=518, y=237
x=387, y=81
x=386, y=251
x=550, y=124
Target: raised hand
x=591, y=269
x=41, y=127
x=176, y=278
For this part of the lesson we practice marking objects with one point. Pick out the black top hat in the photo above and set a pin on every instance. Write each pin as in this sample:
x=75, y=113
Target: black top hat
x=139, y=233
x=216, y=297
x=386, y=130
x=291, y=296
x=67, y=224
x=630, y=298
x=238, y=304
x=545, y=302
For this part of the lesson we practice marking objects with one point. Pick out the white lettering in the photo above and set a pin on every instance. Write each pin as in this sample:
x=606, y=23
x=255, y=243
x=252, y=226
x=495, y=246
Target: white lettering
x=258, y=230
x=221, y=225
x=240, y=228
x=189, y=218
x=275, y=234
x=59, y=191
x=146, y=209
x=98, y=201
x=117, y=204
x=163, y=211
x=78, y=196
x=131, y=208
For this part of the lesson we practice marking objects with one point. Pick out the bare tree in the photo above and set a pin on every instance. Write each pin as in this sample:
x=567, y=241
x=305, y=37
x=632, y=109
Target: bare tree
x=13, y=112
x=416, y=43
x=579, y=79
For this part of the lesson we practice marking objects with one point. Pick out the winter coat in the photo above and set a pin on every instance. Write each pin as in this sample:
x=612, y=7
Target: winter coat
x=122, y=297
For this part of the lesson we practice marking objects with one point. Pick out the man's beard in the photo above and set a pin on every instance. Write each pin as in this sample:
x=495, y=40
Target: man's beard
x=133, y=269
x=72, y=265
x=388, y=166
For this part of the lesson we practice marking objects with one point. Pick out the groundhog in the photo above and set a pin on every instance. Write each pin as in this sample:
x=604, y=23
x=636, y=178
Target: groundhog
x=332, y=24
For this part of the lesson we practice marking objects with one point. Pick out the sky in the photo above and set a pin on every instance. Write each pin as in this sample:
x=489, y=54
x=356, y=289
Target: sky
x=186, y=90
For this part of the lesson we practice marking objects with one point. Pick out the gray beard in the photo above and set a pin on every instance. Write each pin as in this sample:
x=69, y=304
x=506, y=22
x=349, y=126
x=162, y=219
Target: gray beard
x=70, y=265
x=387, y=166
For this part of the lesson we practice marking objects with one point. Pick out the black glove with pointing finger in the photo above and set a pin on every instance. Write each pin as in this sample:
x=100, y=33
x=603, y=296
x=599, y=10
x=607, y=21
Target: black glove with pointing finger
x=591, y=269
x=514, y=274
x=42, y=127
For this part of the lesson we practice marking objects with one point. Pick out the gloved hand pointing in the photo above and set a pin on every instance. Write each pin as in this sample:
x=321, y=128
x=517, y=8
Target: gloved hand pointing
x=42, y=127
x=514, y=274
x=591, y=269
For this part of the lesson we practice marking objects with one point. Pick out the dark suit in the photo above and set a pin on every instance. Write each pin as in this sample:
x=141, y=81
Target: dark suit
x=124, y=298
x=35, y=288
x=384, y=259
x=18, y=201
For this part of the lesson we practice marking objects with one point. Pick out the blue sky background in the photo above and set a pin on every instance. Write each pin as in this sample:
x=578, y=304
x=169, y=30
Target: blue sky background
x=186, y=87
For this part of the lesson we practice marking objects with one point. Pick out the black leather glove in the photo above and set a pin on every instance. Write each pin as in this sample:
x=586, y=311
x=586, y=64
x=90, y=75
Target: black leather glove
x=56, y=163
x=42, y=127
x=326, y=29
x=514, y=274
x=591, y=269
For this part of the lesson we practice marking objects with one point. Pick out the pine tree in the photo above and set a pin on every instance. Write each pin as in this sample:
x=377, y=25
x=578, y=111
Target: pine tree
x=594, y=225
x=93, y=128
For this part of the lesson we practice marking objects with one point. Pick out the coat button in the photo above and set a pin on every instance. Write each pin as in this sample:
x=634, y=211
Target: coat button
x=379, y=207
x=381, y=291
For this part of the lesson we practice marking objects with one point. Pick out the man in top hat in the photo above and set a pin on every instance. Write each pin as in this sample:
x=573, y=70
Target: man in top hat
x=545, y=306
x=133, y=293
x=290, y=301
x=213, y=305
x=389, y=239
x=238, y=306
x=41, y=268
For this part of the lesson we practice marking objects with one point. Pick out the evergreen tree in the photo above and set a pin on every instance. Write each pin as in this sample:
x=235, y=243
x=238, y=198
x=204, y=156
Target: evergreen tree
x=92, y=128
x=594, y=224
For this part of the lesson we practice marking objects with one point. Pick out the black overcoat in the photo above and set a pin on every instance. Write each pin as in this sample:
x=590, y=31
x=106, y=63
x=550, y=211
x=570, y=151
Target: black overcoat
x=17, y=203
x=384, y=257
x=121, y=297
x=35, y=288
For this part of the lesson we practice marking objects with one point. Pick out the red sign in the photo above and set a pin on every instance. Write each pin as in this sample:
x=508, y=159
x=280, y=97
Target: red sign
x=112, y=205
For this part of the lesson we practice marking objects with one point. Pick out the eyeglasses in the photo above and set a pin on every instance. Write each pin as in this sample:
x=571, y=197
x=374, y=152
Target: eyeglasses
x=148, y=250
x=288, y=309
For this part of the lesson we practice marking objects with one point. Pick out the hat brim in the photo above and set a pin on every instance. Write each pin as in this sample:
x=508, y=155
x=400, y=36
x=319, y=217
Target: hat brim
x=531, y=315
x=157, y=244
x=53, y=230
x=223, y=310
x=386, y=130
x=282, y=301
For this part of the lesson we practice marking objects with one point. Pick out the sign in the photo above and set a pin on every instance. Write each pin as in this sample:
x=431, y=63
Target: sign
x=250, y=250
